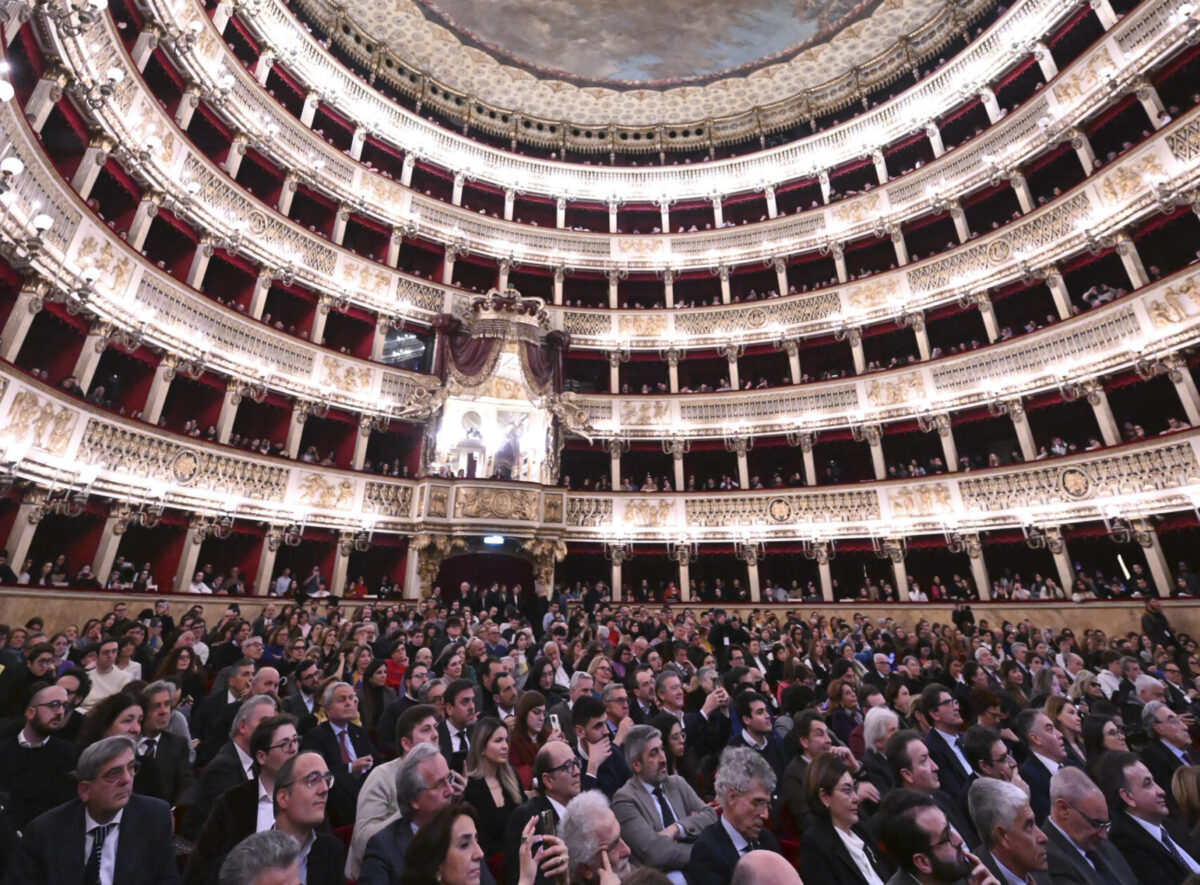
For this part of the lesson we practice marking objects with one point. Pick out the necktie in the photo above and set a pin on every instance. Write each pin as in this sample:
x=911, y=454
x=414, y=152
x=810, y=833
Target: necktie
x=344, y=746
x=91, y=871
x=1170, y=846
x=462, y=742
x=148, y=748
x=1102, y=869
x=667, y=817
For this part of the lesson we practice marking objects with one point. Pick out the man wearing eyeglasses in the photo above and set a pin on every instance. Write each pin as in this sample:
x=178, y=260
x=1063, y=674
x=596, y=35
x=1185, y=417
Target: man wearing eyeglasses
x=107, y=835
x=1077, y=846
x=557, y=778
x=301, y=791
x=35, y=766
x=943, y=740
x=1169, y=747
x=923, y=846
x=247, y=808
x=166, y=765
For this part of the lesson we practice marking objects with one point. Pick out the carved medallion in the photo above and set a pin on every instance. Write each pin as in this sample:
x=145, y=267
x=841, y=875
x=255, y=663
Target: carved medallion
x=780, y=510
x=1075, y=482
x=184, y=467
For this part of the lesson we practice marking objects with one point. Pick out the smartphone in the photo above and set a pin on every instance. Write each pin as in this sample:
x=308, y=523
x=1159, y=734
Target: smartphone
x=546, y=823
x=554, y=726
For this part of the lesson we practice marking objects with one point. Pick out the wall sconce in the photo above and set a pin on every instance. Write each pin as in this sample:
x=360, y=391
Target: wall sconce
x=96, y=95
x=618, y=551
x=74, y=18
x=10, y=168
x=1123, y=530
x=749, y=550
x=683, y=551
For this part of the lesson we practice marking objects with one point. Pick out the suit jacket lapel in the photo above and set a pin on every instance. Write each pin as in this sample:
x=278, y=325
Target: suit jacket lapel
x=71, y=856
x=125, y=868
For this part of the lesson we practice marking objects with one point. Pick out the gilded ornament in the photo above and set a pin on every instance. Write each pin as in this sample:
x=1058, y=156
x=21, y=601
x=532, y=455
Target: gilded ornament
x=318, y=491
x=644, y=413
x=922, y=500
x=647, y=514
x=894, y=393
x=184, y=466
x=511, y=504
x=780, y=510
x=1075, y=482
x=438, y=505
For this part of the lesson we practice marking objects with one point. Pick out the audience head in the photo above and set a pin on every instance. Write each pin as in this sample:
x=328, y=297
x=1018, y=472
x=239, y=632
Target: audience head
x=301, y=791
x=556, y=772
x=762, y=867
x=46, y=710
x=830, y=791
x=1129, y=787
x=593, y=838
x=912, y=766
x=645, y=753
x=252, y=711
x=105, y=772
x=987, y=753
x=939, y=708
x=274, y=741
x=879, y=725
x=416, y=725
x=1077, y=807
x=423, y=785
x=1035, y=729
x=445, y=849
x=812, y=734
x=1006, y=825
x=1161, y=722
x=267, y=858
x=460, y=704
x=919, y=839
x=744, y=783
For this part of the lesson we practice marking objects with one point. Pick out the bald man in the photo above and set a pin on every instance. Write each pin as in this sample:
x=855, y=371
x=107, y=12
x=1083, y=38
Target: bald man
x=764, y=868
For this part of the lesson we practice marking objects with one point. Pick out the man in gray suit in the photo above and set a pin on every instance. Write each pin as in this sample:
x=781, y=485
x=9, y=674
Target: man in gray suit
x=1013, y=848
x=1077, y=849
x=660, y=814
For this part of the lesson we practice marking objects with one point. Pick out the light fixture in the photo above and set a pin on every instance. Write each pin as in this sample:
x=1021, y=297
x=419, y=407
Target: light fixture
x=683, y=550
x=10, y=168
x=493, y=540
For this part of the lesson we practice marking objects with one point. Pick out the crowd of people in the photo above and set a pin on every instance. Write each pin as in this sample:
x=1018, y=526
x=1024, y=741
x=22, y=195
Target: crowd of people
x=483, y=735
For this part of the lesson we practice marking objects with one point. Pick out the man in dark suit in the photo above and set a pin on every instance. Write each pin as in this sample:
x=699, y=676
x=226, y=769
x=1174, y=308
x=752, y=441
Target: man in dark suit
x=346, y=749
x=1077, y=848
x=423, y=789
x=913, y=769
x=1169, y=747
x=454, y=731
x=166, y=771
x=232, y=765
x=108, y=835
x=943, y=740
x=603, y=763
x=1158, y=849
x=557, y=781
x=213, y=715
x=880, y=673
x=247, y=808
x=642, y=707
x=385, y=730
x=744, y=785
x=1013, y=848
x=758, y=732
x=1047, y=755
x=301, y=701
x=302, y=787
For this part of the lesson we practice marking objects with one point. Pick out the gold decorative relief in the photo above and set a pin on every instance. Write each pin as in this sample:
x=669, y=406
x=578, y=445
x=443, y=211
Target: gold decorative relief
x=649, y=326
x=318, y=491
x=893, y=393
x=854, y=212
x=640, y=247
x=365, y=278
x=644, y=413
x=439, y=502
x=647, y=514
x=38, y=420
x=515, y=504
x=346, y=377
x=498, y=387
x=873, y=294
x=1127, y=180
x=1079, y=83
x=1172, y=309
x=922, y=500
x=553, y=508
x=115, y=269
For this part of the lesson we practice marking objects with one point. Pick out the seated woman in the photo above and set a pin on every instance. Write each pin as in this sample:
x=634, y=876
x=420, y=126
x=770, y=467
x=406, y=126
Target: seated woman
x=492, y=785
x=836, y=848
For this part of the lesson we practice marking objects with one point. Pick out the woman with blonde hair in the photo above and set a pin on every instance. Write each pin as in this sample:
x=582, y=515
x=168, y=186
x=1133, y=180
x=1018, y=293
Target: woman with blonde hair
x=492, y=785
x=1185, y=787
x=1066, y=719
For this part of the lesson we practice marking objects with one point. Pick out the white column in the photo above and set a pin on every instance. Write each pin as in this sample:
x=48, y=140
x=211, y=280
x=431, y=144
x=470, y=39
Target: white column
x=143, y=48
x=1045, y=61
x=139, y=227
x=613, y=294
x=873, y=434
x=1082, y=146
x=24, y=527
x=792, y=348
x=1016, y=412
x=1093, y=390
x=899, y=570
x=824, y=573
x=379, y=339
x=810, y=460
x=457, y=194
x=89, y=168
x=753, y=580
x=93, y=346
x=673, y=371
x=510, y=203
x=110, y=540
x=945, y=432
x=45, y=95
x=979, y=573
x=1185, y=387
x=395, y=241
x=164, y=374
x=296, y=429
x=677, y=447
x=854, y=337
x=614, y=457
x=880, y=161
x=341, y=565
x=1156, y=560
x=900, y=247
x=718, y=213
x=740, y=445
x=320, y=317
x=731, y=358
x=228, y=414
x=262, y=286
x=1024, y=195
x=560, y=213
x=1062, y=559
x=959, y=217
x=412, y=575
x=1151, y=101
x=1132, y=261
x=200, y=260
x=237, y=150
x=502, y=275
x=20, y=318
x=772, y=203
x=839, y=262
x=685, y=580
x=614, y=372
x=612, y=216
x=309, y=111
x=823, y=181
x=559, y=274
x=921, y=334
x=664, y=216
x=448, y=267
x=984, y=303
x=723, y=275
x=287, y=192
x=617, y=590
x=988, y=97
x=190, y=556
x=340, y=219
x=262, y=68
x=669, y=287
x=266, y=564
x=406, y=171
x=357, y=140
x=1104, y=12
x=1058, y=291
x=934, y=134
x=188, y=103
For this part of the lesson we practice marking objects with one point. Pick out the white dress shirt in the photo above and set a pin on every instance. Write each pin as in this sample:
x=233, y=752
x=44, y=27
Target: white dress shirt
x=244, y=758
x=654, y=802
x=857, y=849
x=266, y=810
x=1155, y=832
x=108, y=854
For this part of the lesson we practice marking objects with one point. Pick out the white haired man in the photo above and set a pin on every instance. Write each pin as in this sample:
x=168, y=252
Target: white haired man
x=1013, y=848
x=744, y=784
x=592, y=835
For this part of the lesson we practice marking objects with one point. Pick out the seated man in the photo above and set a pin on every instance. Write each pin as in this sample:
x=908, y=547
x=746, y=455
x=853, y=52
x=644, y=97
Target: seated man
x=603, y=763
x=1013, y=848
x=301, y=789
x=266, y=857
x=593, y=839
x=660, y=815
x=1077, y=847
x=36, y=766
x=744, y=784
x=346, y=749
x=921, y=844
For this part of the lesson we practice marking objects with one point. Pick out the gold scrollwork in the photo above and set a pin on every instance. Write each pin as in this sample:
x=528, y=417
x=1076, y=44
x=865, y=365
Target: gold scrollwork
x=922, y=500
x=1125, y=181
x=642, y=326
x=38, y=420
x=345, y=377
x=1172, y=309
x=515, y=504
x=893, y=393
x=648, y=514
x=644, y=413
x=318, y=491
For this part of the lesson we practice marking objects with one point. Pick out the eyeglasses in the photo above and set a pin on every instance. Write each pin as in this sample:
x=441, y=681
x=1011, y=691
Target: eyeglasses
x=313, y=779
x=286, y=743
x=571, y=764
x=113, y=775
x=55, y=705
x=947, y=837
x=951, y=701
x=1093, y=822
